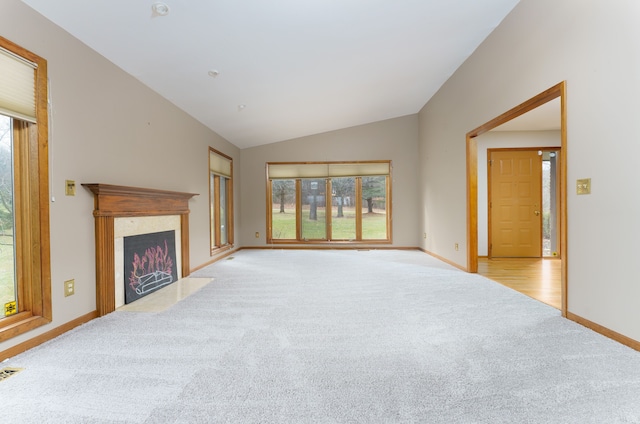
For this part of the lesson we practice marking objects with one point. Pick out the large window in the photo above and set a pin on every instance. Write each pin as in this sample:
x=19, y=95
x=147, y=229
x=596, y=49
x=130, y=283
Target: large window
x=220, y=200
x=25, y=278
x=319, y=202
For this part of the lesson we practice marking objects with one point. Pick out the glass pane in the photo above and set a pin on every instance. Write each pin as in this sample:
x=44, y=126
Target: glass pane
x=8, y=287
x=314, y=221
x=212, y=196
x=343, y=212
x=223, y=211
x=283, y=211
x=374, y=208
x=546, y=208
x=549, y=206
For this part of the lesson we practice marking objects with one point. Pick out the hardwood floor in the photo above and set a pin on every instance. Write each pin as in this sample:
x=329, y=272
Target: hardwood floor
x=537, y=278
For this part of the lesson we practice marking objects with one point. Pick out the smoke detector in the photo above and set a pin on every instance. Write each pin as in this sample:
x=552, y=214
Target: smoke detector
x=160, y=9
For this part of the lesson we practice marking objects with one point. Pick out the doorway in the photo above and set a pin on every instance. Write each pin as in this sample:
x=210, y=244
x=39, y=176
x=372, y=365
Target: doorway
x=557, y=91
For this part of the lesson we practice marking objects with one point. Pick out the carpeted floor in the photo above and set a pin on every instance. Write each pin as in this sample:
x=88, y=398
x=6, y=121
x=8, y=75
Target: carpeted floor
x=286, y=336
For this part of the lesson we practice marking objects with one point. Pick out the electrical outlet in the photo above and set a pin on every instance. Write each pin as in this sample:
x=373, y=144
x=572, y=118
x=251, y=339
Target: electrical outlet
x=69, y=287
x=583, y=186
x=456, y=246
x=257, y=234
x=424, y=235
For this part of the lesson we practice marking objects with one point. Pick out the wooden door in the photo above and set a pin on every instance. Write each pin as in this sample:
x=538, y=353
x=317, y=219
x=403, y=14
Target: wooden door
x=515, y=202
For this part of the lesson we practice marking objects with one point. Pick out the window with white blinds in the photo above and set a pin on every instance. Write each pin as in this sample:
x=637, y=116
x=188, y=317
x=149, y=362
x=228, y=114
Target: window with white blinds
x=220, y=200
x=17, y=87
x=24, y=210
x=329, y=202
x=294, y=170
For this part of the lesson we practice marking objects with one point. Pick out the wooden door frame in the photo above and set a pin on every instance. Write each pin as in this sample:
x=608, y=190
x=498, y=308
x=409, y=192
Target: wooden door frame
x=558, y=90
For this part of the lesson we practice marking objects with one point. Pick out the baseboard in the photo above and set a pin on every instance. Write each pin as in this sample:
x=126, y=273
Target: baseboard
x=297, y=247
x=460, y=267
x=216, y=259
x=31, y=343
x=620, y=338
x=326, y=247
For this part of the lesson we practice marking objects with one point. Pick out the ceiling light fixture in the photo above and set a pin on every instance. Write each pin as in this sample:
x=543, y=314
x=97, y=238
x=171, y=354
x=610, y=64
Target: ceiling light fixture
x=241, y=107
x=214, y=73
x=160, y=9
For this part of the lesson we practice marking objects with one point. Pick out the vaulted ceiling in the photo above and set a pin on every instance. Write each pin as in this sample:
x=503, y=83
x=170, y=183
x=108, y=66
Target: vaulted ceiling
x=257, y=71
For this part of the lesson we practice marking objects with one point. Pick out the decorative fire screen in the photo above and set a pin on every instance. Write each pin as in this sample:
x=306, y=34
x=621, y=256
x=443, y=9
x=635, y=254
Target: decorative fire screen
x=149, y=263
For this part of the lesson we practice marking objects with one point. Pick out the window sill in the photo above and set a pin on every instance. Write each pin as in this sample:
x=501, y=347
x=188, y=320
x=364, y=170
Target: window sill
x=20, y=323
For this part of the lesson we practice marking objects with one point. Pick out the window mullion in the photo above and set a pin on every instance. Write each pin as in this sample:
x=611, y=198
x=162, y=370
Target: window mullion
x=229, y=223
x=328, y=205
x=21, y=204
x=358, y=208
x=298, y=209
x=269, y=211
x=387, y=205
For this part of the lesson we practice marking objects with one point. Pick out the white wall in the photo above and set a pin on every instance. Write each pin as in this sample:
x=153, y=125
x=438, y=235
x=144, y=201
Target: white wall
x=394, y=139
x=595, y=46
x=502, y=139
x=106, y=127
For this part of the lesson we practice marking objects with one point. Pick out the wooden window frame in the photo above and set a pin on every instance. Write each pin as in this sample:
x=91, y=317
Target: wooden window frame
x=31, y=193
x=214, y=207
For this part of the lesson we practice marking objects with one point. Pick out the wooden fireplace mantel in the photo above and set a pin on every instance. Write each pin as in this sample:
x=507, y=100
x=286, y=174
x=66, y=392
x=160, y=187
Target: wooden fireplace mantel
x=113, y=201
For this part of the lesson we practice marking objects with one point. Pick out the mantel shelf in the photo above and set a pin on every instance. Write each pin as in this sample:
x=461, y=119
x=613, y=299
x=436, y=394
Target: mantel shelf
x=114, y=200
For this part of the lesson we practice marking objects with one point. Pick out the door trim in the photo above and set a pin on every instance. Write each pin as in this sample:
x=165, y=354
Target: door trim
x=558, y=90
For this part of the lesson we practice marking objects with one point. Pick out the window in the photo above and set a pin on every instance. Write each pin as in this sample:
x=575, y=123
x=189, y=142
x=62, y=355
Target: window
x=8, y=283
x=329, y=202
x=25, y=280
x=220, y=200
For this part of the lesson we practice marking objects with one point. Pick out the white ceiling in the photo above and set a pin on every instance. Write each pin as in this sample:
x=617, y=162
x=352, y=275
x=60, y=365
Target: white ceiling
x=301, y=67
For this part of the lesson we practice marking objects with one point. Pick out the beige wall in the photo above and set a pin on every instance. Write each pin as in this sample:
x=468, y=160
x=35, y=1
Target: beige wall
x=106, y=127
x=594, y=46
x=395, y=139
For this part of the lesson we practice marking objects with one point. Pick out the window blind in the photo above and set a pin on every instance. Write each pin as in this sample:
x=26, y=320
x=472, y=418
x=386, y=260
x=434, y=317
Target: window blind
x=327, y=169
x=17, y=87
x=219, y=164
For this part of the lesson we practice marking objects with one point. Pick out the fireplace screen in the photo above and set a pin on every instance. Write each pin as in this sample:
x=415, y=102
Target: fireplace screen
x=149, y=263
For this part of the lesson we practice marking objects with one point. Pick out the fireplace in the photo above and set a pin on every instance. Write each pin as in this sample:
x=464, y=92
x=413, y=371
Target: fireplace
x=149, y=264
x=122, y=212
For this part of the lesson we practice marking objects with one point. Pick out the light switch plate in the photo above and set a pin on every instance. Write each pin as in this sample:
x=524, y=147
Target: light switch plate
x=70, y=187
x=583, y=186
